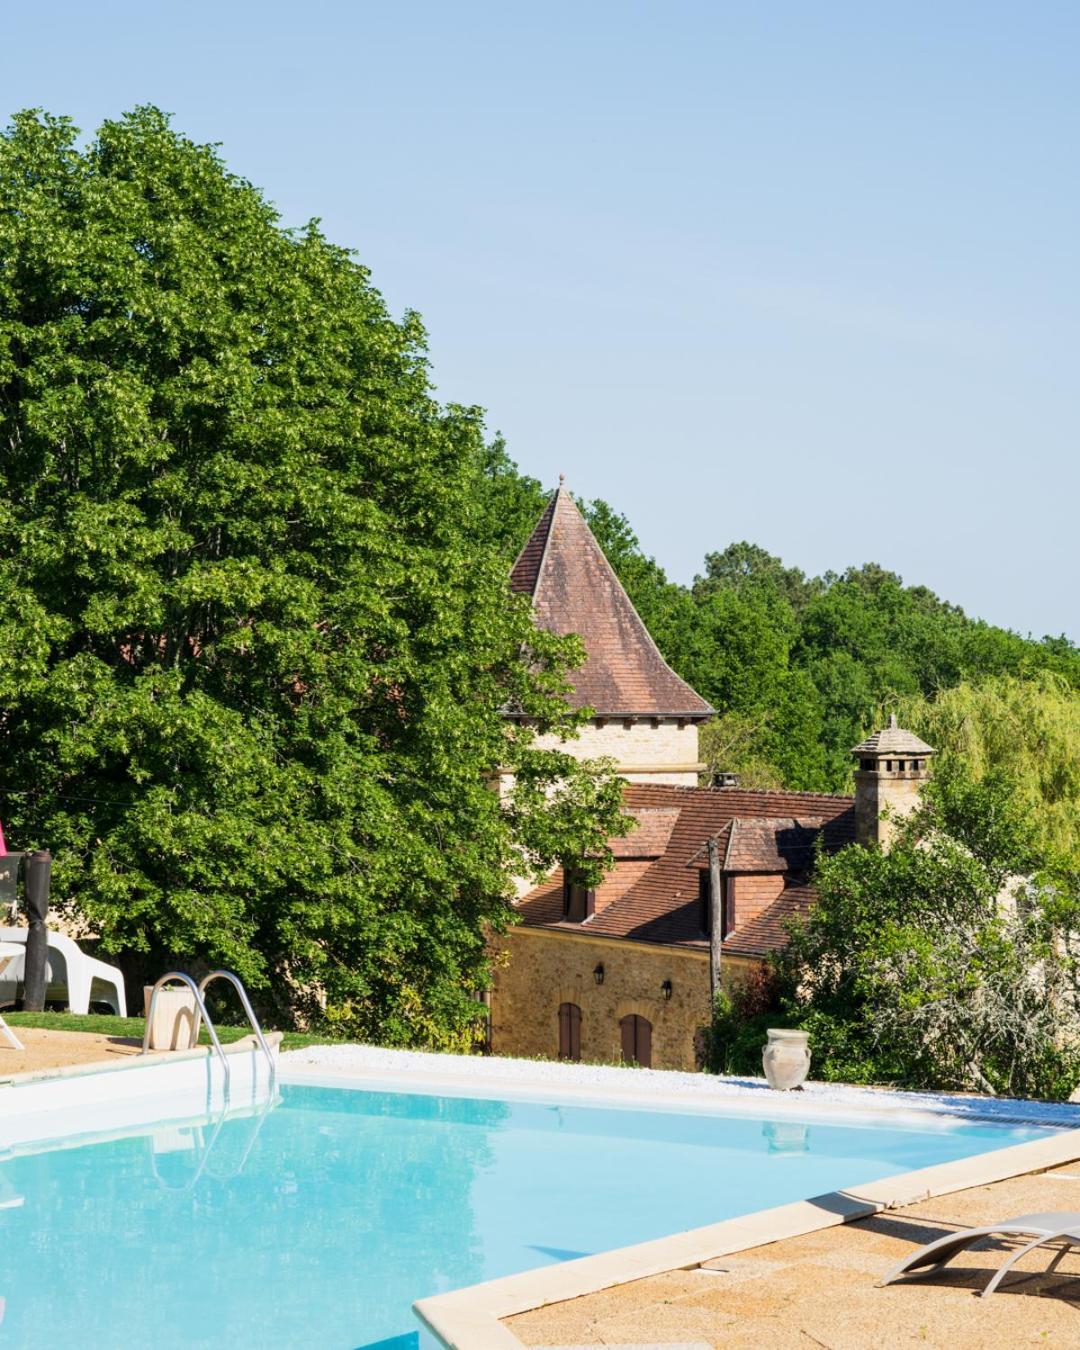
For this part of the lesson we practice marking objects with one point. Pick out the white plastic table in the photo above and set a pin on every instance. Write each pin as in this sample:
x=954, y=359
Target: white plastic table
x=8, y=952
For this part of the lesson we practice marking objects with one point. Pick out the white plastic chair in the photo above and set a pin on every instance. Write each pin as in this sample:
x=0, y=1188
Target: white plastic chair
x=71, y=974
x=9, y=952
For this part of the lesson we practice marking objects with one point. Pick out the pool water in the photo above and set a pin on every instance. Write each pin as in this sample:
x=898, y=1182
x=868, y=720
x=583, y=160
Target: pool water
x=320, y=1221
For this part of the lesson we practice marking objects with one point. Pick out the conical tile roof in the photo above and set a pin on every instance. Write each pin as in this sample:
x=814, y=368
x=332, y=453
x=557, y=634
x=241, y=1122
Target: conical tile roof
x=575, y=590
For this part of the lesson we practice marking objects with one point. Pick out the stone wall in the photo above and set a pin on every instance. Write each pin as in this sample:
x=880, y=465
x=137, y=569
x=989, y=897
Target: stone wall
x=665, y=753
x=540, y=969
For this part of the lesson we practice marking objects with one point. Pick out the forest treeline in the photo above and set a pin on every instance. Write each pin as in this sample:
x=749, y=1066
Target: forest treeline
x=801, y=668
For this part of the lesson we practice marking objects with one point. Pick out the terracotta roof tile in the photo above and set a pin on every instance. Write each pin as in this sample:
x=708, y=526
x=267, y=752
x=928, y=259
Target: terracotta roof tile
x=771, y=844
x=767, y=931
x=575, y=590
x=622, y=877
x=662, y=904
x=650, y=839
x=524, y=572
x=544, y=905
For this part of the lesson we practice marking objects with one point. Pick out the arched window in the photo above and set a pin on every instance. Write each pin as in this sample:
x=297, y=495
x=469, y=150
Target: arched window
x=636, y=1040
x=569, y=1031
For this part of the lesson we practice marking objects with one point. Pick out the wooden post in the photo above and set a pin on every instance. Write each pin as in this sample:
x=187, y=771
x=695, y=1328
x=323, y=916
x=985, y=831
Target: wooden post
x=716, y=918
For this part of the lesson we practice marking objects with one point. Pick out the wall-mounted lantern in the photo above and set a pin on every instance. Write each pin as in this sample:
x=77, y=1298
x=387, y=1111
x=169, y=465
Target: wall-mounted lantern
x=666, y=989
x=598, y=973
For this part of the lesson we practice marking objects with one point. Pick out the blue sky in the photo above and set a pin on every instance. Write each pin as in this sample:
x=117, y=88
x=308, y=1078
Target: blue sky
x=800, y=274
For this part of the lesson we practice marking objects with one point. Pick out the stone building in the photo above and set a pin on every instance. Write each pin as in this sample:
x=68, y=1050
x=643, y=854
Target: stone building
x=623, y=971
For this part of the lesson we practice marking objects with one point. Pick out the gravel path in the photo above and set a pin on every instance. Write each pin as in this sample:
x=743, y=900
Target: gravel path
x=695, y=1091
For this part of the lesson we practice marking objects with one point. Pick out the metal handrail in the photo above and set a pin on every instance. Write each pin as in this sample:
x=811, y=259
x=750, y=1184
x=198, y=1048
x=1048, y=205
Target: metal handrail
x=200, y=1008
x=249, y=1013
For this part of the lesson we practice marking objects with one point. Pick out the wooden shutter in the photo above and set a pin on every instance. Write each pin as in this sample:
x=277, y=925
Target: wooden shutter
x=579, y=901
x=643, y=1046
x=626, y=1027
x=569, y=1031
x=636, y=1034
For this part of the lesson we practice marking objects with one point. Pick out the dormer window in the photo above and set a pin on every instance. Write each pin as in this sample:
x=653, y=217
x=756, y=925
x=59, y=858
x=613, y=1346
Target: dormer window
x=579, y=899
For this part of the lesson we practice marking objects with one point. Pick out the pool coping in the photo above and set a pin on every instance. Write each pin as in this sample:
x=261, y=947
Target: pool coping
x=242, y=1045
x=472, y=1318
x=454, y=1080
x=73, y=1102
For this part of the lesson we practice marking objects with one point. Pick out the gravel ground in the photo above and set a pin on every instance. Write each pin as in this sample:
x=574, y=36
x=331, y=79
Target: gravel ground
x=696, y=1090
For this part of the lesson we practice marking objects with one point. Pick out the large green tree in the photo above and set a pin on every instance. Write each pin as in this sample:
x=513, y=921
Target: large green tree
x=258, y=641
x=950, y=960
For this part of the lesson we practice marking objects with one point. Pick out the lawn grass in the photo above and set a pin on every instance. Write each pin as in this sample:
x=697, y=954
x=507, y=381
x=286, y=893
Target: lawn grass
x=105, y=1024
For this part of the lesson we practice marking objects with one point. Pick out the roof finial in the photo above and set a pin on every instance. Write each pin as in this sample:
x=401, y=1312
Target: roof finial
x=892, y=721
x=562, y=479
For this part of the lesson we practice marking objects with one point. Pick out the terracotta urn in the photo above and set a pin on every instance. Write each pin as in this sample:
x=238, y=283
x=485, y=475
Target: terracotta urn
x=786, y=1058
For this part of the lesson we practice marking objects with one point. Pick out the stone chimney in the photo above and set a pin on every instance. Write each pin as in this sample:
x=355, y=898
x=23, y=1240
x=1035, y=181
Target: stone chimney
x=893, y=765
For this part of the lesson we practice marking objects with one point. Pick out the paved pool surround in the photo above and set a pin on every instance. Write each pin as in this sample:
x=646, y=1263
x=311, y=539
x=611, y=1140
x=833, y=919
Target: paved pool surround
x=821, y=1289
x=50, y=1049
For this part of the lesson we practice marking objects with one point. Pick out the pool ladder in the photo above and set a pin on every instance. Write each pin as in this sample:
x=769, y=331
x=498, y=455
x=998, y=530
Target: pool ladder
x=201, y=1015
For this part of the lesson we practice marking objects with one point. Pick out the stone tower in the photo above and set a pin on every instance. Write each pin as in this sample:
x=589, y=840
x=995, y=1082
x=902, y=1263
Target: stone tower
x=893, y=765
x=644, y=716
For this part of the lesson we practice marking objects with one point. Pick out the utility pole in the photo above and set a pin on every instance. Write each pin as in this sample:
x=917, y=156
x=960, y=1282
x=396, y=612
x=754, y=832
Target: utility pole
x=716, y=918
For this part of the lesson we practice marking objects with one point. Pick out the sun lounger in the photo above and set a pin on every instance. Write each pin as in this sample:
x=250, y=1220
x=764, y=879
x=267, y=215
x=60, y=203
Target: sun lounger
x=1063, y=1228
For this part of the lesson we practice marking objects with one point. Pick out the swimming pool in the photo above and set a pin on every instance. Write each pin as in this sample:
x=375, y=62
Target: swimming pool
x=320, y=1221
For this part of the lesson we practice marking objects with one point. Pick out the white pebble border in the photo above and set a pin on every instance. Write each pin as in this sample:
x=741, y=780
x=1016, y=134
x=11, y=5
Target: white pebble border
x=421, y=1071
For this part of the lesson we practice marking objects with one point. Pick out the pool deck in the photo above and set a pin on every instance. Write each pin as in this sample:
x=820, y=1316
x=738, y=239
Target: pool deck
x=818, y=1289
x=62, y=1049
